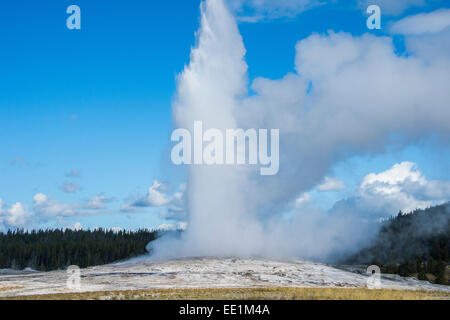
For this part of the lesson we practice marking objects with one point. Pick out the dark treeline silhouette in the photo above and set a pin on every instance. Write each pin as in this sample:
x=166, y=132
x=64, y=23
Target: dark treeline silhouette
x=415, y=244
x=46, y=250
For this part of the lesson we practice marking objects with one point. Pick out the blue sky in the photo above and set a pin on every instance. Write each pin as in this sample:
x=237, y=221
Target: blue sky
x=98, y=100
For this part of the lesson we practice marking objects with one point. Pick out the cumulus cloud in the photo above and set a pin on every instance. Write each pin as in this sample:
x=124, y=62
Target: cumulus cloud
x=423, y=23
x=172, y=227
x=76, y=227
x=157, y=197
x=16, y=216
x=70, y=187
x=400, y=188
x=399, y=173
x=352, y=223
x=97, y=202
x=48, y=207
x=45, y=208
x=403, y=187
x=331, y=184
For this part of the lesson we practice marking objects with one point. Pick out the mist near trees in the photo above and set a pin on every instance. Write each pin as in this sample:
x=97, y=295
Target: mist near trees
x=417, y=243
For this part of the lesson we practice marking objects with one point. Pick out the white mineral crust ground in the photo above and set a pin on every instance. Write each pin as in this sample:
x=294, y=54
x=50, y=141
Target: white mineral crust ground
x=142, y=273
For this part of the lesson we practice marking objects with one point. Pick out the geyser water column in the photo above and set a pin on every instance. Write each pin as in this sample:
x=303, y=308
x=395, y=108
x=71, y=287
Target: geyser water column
x=220, y=220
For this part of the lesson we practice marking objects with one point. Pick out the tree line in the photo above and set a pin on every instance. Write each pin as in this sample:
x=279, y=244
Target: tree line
x=414, y=244
x=46, y=250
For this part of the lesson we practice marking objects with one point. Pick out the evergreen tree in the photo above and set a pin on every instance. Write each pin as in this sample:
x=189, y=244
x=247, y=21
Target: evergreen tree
x=46, y=250
x=416, y=243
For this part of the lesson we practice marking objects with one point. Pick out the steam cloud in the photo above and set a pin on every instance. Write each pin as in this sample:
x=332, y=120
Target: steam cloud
x=349, y=96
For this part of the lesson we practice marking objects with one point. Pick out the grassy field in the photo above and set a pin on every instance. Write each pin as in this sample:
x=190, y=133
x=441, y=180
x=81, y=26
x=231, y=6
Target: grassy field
x=248, y=294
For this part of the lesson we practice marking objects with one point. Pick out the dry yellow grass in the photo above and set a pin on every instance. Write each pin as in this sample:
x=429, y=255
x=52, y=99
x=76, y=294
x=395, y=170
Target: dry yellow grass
x=248, y=294
x=9, y=288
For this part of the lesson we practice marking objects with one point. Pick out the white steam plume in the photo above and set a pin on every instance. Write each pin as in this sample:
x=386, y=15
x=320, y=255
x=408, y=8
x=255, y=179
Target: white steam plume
x=349, y=96
x=209, y=90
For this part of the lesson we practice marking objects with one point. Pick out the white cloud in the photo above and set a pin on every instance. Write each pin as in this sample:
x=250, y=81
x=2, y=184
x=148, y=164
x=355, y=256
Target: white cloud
x=39, y=199
x=157, y=197
x=45, y=207
x=97, y=202
x=16, y=216
x=398, y=174
x=172, y=227
x=423, y=23
x=331, y=184
x=70, y=187
x=76, y=227
x=303, y=199
x=402, y=187
x=48, y=207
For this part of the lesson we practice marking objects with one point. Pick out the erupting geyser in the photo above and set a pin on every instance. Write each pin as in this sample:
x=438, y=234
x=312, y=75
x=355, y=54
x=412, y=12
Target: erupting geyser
x=348, y=95
x=221, y=222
